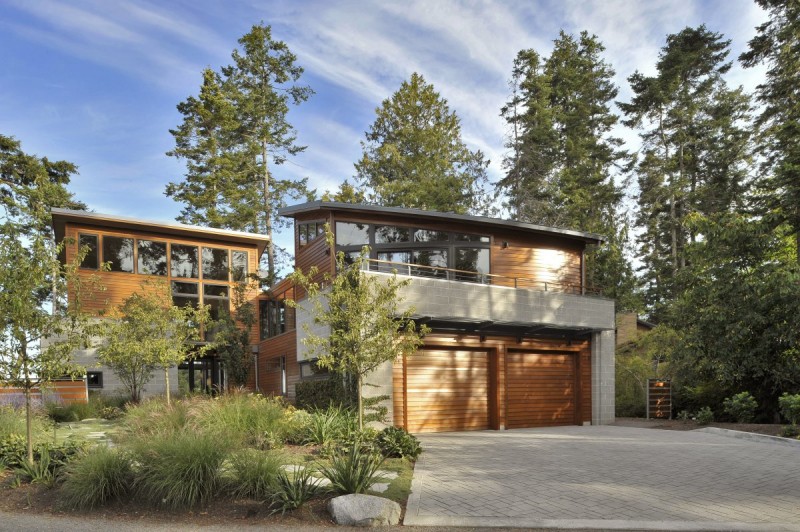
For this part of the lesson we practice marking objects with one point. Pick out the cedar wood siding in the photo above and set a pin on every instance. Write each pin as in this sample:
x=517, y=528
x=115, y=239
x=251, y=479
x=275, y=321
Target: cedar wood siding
x=117, y=286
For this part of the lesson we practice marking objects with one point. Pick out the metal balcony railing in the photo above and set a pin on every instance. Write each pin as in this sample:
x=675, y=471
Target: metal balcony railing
x=436, y=272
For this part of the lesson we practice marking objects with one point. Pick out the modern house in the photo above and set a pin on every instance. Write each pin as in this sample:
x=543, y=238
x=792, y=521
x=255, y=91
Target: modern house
x=517, y=338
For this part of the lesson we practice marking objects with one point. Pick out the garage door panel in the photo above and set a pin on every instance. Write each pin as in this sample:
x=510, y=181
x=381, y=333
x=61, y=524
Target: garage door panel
x=540, y=389
x=447, y=390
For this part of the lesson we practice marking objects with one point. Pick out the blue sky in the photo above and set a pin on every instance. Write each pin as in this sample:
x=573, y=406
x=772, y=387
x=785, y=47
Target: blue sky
x=96, y=82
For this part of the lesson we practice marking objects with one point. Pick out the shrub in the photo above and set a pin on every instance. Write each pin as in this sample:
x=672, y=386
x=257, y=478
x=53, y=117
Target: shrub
x=154, y=416
x=293, y=491
x=330, y=425
x=353, y=470
x=790, y=407
x=321, y=394
x=790, y=431
x=179, y=470
x=254, y=474
x=12, y=421
x=247, y=419
x=684, y=415
x=704, y=416
x=395, y=442
x=96, y=478
x=42, y=471
x=741, y=407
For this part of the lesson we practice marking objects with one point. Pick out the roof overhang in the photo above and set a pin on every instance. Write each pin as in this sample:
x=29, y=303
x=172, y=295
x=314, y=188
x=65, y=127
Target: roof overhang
x=63, y=216
x=417, y=214
x=520, y=330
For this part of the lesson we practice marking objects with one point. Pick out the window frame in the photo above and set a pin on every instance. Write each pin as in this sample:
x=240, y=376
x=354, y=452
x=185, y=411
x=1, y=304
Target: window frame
x=105, y=260
x=97, y=247
x=99, y=384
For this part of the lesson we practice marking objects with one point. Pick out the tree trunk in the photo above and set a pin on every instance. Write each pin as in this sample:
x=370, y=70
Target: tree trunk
x=360, y=404
x=268, y=215
x=166, y=382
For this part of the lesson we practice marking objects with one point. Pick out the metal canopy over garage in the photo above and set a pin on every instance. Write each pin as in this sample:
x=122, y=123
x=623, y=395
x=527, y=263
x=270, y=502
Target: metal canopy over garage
x=516, y=329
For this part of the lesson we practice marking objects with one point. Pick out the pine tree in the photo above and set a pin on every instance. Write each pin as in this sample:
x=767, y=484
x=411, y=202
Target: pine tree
x=562, y=157
x=414, y=155
x=778, y=46
x=694, y=156
x=233, y=133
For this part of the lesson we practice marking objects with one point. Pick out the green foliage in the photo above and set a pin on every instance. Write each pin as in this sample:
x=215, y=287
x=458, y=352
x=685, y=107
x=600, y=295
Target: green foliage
x=395, y=442
x=179, y=470
x=41, y=471
x=414, y=156
x=96, y=478
x=790, y=431
x=148, y=332
x=154, y=416
x=314, y=394
x=244, y=419
x=254, y=474
x=98, y=406
x=704, y=416
x=790, y=407
x=12, y=449
x=292, y=491
x=353, y=470
x=49, y=460
x=362, y=312
x=13, y=422
x=333, y=424
x=230, y=135
x=741, y=407
x=684, y=416
x=231, y=336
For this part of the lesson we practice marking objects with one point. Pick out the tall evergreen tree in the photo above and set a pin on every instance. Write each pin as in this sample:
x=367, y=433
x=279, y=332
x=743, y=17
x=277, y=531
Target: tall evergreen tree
x=414, y=155
x=778, y=46
x=694, y=156
x=233, y=133
x=562, y=157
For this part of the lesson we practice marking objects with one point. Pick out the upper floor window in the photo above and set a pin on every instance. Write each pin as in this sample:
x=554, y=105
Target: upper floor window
x=152, y=257
x=183, y=261
x=274, y=318
x=307, y=232
x=239, y=260
x=90, y=261
x=184, y=294
x=118, y=253
x=352, y=234
x=388, y=234
x=215, y=264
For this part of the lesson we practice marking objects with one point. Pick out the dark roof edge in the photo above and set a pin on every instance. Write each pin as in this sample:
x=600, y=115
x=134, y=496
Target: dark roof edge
x=311, y=206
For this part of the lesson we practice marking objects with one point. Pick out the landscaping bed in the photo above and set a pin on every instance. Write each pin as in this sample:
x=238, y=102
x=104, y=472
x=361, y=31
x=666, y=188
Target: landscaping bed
x=678, y=424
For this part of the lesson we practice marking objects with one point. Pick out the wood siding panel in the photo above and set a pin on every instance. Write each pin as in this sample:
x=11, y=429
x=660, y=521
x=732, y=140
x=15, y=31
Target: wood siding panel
x=269, y=370
x=538, y=267
x=447, y=390
x=63, y=391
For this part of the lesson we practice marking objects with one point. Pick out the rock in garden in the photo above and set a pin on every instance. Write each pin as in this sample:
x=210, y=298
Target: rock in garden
x=364, y=510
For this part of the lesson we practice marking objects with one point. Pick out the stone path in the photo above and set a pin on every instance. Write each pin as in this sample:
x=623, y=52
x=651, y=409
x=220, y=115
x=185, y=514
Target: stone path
x=605, y=477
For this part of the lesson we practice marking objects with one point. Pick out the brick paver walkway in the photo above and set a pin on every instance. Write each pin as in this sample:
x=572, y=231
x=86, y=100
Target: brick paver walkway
x=606, y=477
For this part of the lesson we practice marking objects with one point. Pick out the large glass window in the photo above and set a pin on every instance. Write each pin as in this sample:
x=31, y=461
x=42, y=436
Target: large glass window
x=239, y=260
x=352, y=234
x=215, y=264
x=429, y=235
x=472, y=260
x=274, y=318
x=90, y=261
x=184, y=294
x=435, y=258
x=389, y=234
x=118, y=252
x=217, y=298
x=461, y=237
x=152, y=257
x=309, y=231
x=183, y=261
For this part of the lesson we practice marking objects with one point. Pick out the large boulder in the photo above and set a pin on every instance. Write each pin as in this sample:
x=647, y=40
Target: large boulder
x=364, y=510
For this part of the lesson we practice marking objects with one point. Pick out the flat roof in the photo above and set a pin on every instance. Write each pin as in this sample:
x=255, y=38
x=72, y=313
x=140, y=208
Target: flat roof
x=294, y=210
x=62, y=216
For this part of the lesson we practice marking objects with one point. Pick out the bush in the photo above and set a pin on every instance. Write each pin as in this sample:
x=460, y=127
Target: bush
x=790, y=407
x=96, y=478
x=704, y=416
x=321, y=394
x=247, y=419
x=254, y=474
x=12, y=421
x=153, y=417
x=179, y=470
x=334, y=424
x=395, y=442
x=94, y=408
x=49, y=460
x=741, y=407
x=353, y=470
x=295, y=490
x=790, y=431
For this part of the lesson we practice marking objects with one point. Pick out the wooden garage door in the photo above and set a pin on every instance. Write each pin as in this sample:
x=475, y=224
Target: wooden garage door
x=447, y=390
x=540, y=389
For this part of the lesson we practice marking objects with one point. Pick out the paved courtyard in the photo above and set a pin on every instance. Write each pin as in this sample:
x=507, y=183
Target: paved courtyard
x=605, y=477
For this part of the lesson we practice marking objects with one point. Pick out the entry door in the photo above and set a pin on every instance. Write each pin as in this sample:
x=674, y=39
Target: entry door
x=541, y=389
x=447, y=390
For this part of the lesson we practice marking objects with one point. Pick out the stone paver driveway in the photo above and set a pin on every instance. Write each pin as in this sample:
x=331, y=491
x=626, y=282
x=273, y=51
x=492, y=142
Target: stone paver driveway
x=605, y=477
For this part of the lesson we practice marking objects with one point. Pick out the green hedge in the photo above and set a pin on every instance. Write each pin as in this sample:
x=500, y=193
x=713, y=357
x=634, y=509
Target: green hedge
x=324, y=393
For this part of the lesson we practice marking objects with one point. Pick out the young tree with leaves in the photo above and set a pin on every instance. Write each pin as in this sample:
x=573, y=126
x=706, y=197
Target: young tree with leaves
x=694, y=158
x=232, y=333
x=39, y=329
x=147, y=331
x=777, y=45
x=232, y=136
x=362, y=312
x=562, y=158
x=414, y=156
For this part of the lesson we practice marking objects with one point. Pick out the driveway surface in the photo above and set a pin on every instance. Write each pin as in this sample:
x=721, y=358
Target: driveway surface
x=605, y=477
